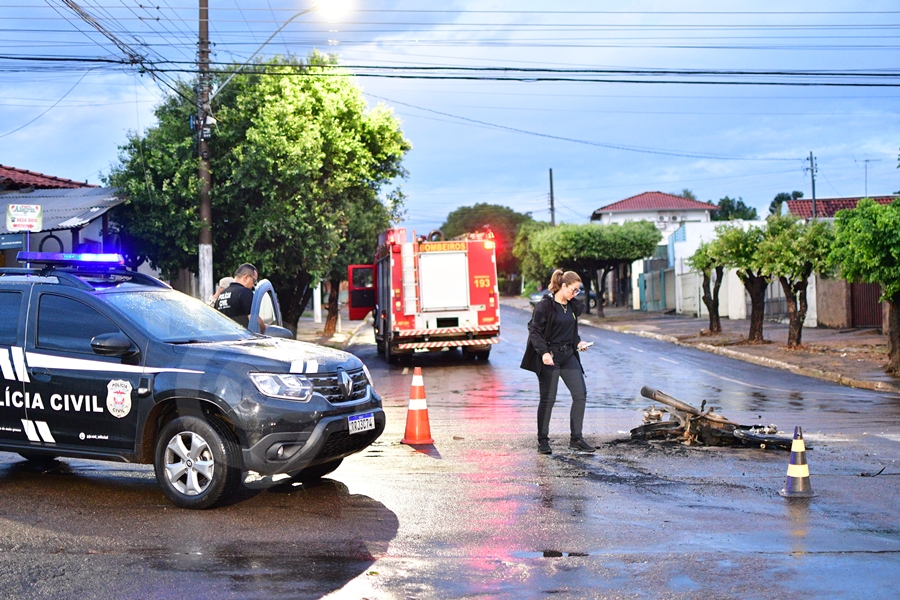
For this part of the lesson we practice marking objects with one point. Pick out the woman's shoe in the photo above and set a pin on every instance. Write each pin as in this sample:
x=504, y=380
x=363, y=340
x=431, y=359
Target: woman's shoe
x=544, y=448
x=580, y=445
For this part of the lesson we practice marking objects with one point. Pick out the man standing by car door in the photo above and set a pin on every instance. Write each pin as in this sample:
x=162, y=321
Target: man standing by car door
x=236, y=301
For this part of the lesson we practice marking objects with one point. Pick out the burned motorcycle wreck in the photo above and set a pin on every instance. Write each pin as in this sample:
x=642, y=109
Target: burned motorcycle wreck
x=704, y=426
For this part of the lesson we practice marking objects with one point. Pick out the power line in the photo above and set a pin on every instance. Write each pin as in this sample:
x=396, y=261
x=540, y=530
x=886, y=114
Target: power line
x=577, y=141
x=63, y=97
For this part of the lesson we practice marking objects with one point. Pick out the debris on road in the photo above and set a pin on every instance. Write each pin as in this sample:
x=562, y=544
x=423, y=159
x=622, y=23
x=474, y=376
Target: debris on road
x=872, y=474
x=704, y=426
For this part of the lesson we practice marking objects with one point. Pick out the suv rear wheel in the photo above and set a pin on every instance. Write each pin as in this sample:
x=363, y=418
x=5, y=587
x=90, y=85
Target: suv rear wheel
x=196, y=462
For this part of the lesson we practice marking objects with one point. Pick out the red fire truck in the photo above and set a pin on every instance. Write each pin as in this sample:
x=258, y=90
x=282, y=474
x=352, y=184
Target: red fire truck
x=430, y=294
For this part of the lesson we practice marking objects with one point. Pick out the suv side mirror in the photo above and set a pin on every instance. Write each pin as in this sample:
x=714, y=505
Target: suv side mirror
x=279, y=332
x=112, y=344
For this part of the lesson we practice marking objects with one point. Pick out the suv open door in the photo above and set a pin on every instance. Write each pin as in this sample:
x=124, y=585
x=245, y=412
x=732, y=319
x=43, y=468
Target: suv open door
x=265, y=308
x=361, y=280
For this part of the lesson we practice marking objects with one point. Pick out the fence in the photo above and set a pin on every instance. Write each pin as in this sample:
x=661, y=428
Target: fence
x=775, y=306
x=657, y=290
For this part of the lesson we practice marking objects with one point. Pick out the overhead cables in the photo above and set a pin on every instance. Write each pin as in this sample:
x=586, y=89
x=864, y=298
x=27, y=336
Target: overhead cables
x=63, y=97
x=586, y=142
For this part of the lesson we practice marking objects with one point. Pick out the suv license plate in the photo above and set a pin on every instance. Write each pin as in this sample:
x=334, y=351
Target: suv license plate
x=360, y=423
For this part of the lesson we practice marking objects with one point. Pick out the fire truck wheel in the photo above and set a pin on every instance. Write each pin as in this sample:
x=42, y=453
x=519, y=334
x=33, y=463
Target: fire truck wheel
x=389, y=354
x=483, y=355
x=379, y=346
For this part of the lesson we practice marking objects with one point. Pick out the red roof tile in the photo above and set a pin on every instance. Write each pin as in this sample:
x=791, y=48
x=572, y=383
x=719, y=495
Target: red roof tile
x=651, y=201
x=828, y=207
x=12, y=178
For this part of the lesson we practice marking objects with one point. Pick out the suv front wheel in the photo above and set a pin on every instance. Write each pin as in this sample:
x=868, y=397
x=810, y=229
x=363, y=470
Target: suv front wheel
x=196, y=462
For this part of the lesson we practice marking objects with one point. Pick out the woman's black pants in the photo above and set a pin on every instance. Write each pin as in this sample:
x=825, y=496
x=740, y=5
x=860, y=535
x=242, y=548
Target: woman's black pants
x=568, y=368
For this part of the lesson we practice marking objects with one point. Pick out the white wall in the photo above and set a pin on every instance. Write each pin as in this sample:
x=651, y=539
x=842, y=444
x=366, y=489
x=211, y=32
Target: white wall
x=637, y=267
x=667, y=221
x=733, y=297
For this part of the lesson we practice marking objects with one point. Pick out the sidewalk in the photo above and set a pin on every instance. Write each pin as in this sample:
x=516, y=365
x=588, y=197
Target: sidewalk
x=310, y=331
x=852, y=357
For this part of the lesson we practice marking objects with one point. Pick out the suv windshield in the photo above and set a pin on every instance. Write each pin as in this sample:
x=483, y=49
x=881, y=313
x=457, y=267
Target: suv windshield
x=175, y=318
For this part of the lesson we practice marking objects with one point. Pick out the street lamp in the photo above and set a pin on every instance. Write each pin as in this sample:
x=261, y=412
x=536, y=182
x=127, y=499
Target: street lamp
x=331, y=9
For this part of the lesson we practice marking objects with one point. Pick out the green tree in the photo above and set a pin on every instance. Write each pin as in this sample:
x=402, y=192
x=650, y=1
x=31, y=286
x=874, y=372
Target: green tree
x=366, y=216
x=730, y=209
x=780, y=199
x=534, y=271
x=792, y=250
x=293, y=151
x=686, y=193
x=737, y=249
x=594, y=250
x=867, y=249
x=502, y=220
x=707, y=261
x=157, y=174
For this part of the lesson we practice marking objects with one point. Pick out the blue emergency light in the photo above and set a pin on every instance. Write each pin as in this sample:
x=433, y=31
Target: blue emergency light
x=71, y=259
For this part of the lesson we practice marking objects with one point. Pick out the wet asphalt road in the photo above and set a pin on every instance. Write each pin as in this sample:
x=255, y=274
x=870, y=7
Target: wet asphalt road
x=481, y=515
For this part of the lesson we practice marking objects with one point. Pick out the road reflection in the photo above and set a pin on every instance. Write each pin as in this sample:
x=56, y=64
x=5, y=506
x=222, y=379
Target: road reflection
x=303, y=541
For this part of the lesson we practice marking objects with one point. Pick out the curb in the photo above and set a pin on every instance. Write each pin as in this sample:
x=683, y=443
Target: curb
x=878, y=386
x=353, y=333
x=332, y=342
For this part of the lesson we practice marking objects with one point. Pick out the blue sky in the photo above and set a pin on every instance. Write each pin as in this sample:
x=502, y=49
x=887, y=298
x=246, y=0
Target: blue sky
x=481, y=140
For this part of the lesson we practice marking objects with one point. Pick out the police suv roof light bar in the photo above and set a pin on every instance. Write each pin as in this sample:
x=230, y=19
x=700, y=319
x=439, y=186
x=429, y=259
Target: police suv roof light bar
x=71, y=259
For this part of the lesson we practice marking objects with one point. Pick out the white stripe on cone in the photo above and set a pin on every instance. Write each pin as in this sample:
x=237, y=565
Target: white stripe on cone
x=798, y=471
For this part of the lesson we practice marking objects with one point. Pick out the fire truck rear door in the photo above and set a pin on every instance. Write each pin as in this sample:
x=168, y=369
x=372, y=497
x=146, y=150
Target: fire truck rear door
x=444, y=281
x=361, y=280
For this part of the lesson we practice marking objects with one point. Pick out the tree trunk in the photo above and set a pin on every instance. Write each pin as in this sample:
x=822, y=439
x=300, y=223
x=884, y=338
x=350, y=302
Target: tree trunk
x=292, y=300
x=797, y=306
x=586, y=283
x=893, y=366
x=756, y=287
x=601, y=290
x=333, y=307
x=711, y=300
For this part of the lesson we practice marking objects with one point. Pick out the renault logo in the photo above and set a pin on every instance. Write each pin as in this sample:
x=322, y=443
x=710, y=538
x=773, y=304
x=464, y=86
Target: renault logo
x=346, y=384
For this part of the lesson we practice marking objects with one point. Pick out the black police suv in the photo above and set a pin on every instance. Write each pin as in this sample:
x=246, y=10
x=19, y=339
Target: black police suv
x=104, y=363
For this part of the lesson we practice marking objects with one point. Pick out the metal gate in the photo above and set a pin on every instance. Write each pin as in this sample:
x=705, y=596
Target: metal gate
x=865, y=309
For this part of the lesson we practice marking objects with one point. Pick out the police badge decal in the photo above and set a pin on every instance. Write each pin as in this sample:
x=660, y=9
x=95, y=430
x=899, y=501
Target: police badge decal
x=118, y=400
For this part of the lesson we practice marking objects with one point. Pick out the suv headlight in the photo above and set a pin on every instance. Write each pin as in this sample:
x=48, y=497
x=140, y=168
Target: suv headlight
x=283, y=385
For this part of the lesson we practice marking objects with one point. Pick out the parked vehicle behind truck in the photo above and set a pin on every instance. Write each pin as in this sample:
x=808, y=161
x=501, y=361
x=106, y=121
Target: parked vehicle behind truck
x=430, y=294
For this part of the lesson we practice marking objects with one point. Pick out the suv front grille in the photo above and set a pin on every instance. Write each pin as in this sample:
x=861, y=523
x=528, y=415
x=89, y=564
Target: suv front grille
x=327, y=385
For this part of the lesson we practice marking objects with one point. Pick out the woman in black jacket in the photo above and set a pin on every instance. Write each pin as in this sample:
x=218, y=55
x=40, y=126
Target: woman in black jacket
x=552, y=353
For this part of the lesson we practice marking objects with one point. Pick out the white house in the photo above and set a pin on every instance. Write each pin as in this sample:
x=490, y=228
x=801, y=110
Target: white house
x=667, y=211
x=733, y=298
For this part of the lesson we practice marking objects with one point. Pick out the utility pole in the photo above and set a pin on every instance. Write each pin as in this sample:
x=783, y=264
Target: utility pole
x=204, y=133
x=867, y=161
x=552, y=209
x=812, y=176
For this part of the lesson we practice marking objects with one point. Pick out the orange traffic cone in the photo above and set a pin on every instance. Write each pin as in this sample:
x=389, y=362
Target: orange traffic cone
x=417, y=429
x=797, y=485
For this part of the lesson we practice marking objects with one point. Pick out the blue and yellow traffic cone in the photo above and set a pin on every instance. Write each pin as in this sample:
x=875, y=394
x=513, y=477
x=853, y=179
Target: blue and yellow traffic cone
x=797, y=485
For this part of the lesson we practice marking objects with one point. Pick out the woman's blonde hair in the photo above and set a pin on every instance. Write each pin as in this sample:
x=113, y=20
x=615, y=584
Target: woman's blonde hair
x=559, y=278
